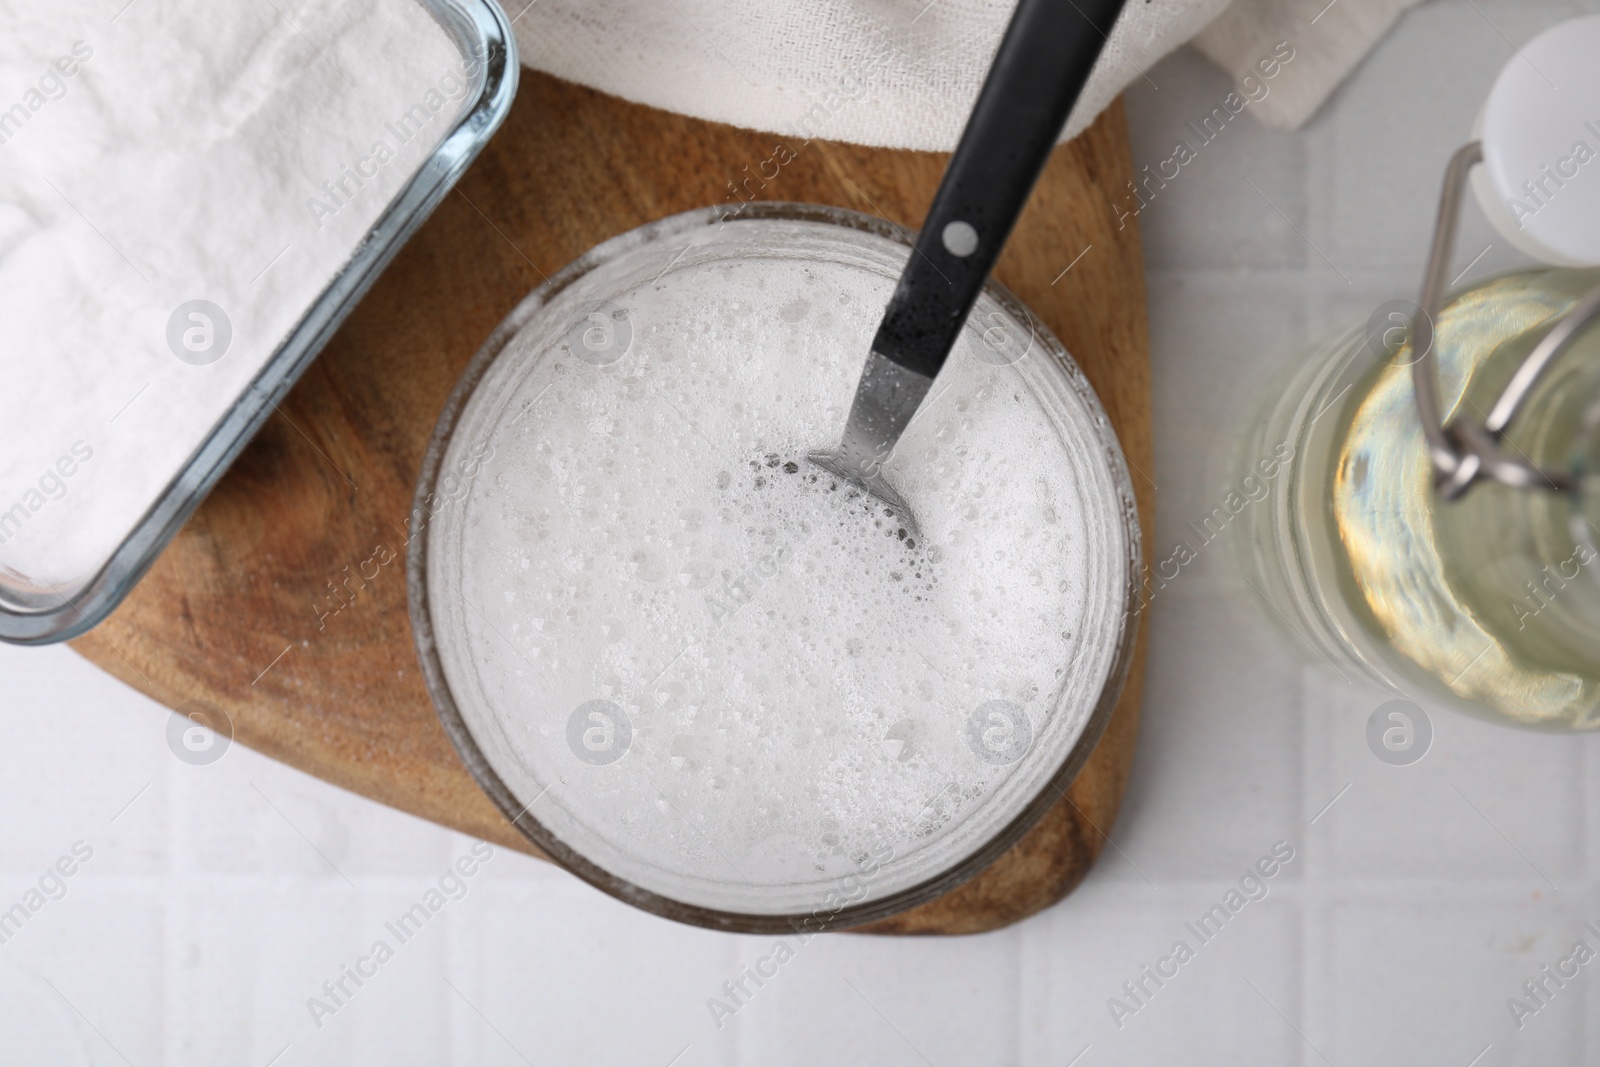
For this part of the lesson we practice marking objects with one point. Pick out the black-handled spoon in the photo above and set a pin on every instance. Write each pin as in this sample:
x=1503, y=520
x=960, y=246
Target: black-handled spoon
x=1043, y=61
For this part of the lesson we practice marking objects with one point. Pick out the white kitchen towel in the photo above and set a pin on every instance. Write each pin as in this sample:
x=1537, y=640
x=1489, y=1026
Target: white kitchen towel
x=904, y=73
x=1329, y=40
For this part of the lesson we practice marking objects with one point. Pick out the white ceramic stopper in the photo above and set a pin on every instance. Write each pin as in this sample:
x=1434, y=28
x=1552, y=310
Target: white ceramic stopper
x=1540, y=129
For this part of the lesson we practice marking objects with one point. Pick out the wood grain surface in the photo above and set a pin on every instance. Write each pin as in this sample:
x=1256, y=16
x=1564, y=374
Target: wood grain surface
x=230, y=613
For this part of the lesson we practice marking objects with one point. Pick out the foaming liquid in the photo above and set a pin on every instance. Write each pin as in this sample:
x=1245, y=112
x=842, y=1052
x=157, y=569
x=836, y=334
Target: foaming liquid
x=713, y=669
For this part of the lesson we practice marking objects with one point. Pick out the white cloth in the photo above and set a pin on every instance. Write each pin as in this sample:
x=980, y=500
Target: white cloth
x=1329, y=40
x=904, y=73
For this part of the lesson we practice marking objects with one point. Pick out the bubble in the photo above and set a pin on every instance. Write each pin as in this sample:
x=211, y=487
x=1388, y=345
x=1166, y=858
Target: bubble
x=646, y=567
x=686, y=753
x=671, y=693
x=696, y=574
x=898, y=742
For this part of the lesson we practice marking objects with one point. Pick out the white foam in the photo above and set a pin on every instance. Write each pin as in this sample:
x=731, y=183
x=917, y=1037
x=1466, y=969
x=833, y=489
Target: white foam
x=798, y=674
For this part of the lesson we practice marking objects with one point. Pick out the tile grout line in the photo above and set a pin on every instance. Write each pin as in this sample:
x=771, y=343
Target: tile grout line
x=1309, y=916
x=1312, y=880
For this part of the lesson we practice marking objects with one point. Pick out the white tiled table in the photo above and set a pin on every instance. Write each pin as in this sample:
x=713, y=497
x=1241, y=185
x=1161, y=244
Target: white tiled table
x=222, y=897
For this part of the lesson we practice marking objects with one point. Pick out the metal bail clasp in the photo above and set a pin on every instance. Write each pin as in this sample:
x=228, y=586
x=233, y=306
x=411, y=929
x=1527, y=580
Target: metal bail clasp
x=1465, y=450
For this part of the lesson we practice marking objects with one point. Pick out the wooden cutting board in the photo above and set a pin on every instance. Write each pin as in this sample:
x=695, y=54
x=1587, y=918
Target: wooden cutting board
x=230, y=613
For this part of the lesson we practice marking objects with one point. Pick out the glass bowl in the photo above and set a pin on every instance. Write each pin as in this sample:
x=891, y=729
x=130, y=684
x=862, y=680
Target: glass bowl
x=774, y=773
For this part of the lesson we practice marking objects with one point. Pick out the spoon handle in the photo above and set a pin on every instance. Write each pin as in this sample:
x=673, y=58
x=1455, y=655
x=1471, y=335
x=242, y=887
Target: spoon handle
x=1038, y=72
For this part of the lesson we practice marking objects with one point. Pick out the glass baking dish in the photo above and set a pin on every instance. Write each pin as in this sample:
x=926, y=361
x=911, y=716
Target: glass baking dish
x=40, y=609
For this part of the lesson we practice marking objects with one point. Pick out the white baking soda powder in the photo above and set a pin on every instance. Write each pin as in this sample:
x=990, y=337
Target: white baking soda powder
x=715, y=670
x=179, y=180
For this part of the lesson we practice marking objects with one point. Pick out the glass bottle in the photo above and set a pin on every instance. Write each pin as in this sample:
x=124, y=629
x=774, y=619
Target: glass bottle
x=1489, y=602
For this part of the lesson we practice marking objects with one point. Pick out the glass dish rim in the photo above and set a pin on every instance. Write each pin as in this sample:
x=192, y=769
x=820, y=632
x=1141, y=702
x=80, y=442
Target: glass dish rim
x=574, y=862
x=480, y=30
